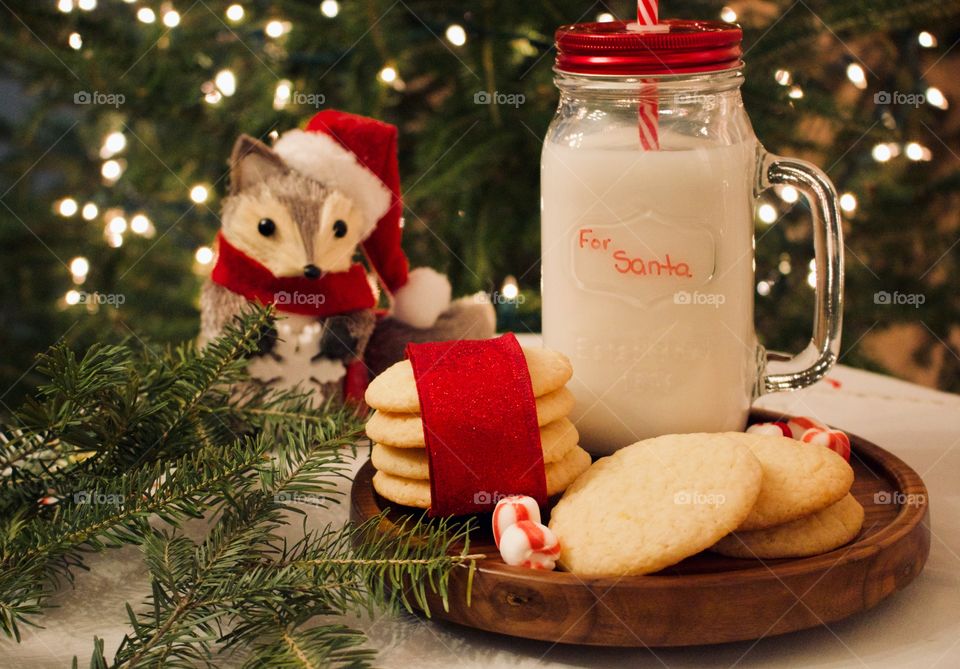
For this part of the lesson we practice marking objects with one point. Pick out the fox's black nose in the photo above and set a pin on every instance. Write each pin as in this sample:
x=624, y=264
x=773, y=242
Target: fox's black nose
x=311, y=272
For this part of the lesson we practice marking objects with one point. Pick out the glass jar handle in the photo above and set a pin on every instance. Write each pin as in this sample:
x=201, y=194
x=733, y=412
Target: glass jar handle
x=811, y=364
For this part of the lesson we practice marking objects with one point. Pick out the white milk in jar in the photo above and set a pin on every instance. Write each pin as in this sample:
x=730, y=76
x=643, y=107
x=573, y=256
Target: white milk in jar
x=646, y=262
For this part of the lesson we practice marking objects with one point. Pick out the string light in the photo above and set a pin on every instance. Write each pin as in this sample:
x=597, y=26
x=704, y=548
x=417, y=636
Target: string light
x=881, y=153
x=916, y=152
x=785, y=267
x=117, y=225
x=282, y=94
x=767, y=213
x=388, y=75
x=113, y=144
x=114, y=241
x=87, y=5
x=204, y=255
x=79, y=267
x=936, y=97
x=727, y=14
x=763, y=288
x=783, y=77
x=235, y=13
x=456, y=35
x=140, y=225
x=211, y=95
x=67, y=207
x=605, y=17
x=848, y=202
x=72, y=297
x=510, y=288
x=146, y=15
x=75, y=41
x=330, y=8
x=65, y=6
x=199, y=193
x=171, y=18
x=111, y=170
x=812, y=278
x=226, y=82
x=274, y=29
x=89, y=211
x=856, y=75
x=789, y=194
x=795, y=92
x=927, y=40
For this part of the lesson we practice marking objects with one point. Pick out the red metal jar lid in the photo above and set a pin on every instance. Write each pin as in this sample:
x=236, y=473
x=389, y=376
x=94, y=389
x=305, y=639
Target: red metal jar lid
x=611, y=49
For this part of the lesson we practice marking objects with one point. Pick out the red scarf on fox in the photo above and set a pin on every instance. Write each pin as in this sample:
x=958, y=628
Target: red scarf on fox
x=331, y=294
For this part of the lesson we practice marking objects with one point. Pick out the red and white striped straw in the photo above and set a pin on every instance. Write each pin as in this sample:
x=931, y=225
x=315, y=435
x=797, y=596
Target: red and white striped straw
x=648, y=110
x=648, y=13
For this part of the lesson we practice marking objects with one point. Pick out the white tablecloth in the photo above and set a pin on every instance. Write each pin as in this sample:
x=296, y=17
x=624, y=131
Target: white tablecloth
x=916, y=628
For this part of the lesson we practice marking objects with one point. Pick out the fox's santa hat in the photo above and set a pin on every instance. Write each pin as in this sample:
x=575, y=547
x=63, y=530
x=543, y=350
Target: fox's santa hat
x=358, y=156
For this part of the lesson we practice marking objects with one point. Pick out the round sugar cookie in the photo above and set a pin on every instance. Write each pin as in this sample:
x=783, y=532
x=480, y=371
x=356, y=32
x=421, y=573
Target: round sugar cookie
x=654, y=503
x=817, y=533
x=396, y=391
x=798, y=479
x=405, y=430
x=416, y=492
x=556, y=439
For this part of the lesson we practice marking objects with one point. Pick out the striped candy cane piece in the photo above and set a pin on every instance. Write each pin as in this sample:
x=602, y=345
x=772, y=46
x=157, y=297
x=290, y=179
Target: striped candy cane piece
x=836, y=440
x=529, y=544
x=512, y=509
x=800, y=424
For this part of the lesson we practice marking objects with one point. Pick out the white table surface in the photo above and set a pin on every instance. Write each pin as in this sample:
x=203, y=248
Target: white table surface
x=918, y=627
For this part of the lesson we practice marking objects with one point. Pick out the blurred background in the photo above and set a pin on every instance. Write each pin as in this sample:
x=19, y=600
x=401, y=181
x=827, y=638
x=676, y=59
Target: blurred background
x=117, y=117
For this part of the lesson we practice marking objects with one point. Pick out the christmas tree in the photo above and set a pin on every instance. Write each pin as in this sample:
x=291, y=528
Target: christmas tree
x=118, y=116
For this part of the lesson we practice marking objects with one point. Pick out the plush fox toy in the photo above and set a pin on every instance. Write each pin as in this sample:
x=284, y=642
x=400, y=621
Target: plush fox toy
x=293, y=222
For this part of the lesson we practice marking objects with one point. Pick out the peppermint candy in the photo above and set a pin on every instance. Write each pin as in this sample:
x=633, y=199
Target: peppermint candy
x=512, y=509
x=808, y=431
x=835, y=440
x=530, y=544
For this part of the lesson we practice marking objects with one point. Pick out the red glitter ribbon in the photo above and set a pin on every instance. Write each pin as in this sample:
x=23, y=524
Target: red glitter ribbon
x=479, y=423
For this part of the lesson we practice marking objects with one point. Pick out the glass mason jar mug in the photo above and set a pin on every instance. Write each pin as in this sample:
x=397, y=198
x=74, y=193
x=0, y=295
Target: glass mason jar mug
x=650, y=176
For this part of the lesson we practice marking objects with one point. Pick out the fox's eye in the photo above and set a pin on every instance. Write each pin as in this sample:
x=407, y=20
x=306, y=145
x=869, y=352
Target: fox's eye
x=266, y=227
x=339, y=228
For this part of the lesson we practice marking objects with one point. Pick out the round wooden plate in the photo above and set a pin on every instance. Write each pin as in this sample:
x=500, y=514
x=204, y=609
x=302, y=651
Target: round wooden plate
x=707, y=598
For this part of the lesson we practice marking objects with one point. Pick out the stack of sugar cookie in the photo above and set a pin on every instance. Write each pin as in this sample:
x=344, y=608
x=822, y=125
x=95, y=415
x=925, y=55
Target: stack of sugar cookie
x=652, y=504
x=804, y=506
x=396, y=429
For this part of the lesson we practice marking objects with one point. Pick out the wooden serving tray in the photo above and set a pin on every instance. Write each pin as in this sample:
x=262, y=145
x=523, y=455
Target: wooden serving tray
x=706, y=598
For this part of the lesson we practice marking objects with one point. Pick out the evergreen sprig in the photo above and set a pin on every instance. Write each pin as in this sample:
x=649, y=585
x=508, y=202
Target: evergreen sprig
x=125, y=443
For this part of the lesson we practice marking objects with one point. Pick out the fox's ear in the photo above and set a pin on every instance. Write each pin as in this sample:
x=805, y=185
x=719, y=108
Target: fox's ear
x=252, y=162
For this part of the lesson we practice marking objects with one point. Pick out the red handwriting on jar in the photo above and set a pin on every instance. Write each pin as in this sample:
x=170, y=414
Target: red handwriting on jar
x=624, y=263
